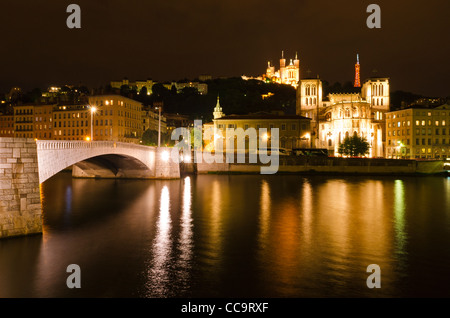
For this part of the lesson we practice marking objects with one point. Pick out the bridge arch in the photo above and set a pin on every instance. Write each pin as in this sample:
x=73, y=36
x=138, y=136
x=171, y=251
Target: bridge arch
x=139, y=161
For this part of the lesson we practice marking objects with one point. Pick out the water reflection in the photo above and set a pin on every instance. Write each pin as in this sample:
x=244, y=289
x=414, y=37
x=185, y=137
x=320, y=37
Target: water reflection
x=264, y=217
x=159, y=272
x=225, y=236
x=185, y=243
x=306, y=211
x=399, y=216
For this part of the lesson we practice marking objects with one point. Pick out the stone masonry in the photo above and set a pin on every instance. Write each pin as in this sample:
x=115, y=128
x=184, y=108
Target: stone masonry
x=20, y=204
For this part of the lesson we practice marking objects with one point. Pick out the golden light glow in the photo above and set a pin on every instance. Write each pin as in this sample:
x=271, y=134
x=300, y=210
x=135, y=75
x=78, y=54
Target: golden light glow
x=93, y=109
x=88, y=138
x=165, y=156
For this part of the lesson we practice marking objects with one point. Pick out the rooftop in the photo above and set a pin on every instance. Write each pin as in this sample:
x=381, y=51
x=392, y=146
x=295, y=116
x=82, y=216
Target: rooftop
x=261, y=115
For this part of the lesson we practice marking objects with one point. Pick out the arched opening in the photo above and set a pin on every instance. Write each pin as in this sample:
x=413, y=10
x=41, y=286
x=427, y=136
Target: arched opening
x=111, y=166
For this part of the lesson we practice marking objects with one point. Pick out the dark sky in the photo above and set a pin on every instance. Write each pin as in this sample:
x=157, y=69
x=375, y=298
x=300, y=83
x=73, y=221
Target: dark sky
x=175, y=39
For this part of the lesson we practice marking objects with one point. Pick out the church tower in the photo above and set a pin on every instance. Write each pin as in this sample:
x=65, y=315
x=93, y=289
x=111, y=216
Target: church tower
x=218, y=110
x=282, y=66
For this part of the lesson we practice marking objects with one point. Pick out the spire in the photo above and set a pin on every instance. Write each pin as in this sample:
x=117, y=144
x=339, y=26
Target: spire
x=282, y=54
x=218, y=102
x=357, y=72
x=296, y=56
x=218, y=110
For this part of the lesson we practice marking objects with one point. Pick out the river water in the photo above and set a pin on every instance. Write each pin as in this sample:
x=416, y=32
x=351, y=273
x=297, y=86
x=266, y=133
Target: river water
x=236, y=236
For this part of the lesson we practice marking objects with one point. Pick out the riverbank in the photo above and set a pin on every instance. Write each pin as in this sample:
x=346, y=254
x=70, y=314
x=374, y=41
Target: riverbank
x=327, y=165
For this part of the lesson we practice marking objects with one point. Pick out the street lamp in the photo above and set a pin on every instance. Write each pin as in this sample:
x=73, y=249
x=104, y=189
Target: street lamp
x=159, y=126
x=93, y=109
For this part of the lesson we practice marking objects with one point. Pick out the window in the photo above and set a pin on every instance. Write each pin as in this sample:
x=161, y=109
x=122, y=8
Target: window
x=294, y=127
x=283, y=127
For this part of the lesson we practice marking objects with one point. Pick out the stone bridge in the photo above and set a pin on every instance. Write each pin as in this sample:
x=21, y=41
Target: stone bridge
x=26, y=163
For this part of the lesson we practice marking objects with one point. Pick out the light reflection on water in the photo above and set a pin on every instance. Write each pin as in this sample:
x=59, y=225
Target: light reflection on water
x=224, y=236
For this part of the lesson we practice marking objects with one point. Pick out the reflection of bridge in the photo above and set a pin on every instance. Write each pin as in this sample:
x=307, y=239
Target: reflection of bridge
x=25, y=163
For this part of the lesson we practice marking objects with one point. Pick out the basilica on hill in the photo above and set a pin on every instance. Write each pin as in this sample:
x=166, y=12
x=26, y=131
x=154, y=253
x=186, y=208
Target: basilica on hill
x=337, y=115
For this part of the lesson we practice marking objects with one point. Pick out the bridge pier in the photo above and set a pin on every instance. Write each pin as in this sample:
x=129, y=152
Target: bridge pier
x=20, y=204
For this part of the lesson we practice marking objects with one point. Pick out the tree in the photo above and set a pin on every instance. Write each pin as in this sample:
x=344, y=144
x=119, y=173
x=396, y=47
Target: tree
x=354, y=146
x=150, y=138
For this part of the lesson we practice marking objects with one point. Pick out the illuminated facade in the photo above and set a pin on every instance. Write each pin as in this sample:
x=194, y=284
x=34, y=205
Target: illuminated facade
x=287, y=74
x=7, y=126
x=344, y=115
x=293, y=130
x=117, y=118
x=418, y=133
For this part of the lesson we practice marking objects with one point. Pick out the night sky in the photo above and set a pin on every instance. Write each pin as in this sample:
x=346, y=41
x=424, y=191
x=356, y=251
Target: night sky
x=175, y=39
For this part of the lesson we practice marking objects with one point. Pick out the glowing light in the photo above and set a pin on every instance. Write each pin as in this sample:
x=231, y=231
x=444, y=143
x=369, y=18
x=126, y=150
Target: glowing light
x=88, y=138
x=165, y=156
x=265, y=137
x=93, y=109
x=187, y=158
x=307, y=136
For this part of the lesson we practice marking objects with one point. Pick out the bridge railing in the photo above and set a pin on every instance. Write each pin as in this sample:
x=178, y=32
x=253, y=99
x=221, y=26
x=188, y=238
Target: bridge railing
x=81, y=144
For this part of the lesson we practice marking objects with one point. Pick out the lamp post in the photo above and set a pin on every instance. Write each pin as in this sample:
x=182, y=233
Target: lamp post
x=159, y=126
x=93, y=109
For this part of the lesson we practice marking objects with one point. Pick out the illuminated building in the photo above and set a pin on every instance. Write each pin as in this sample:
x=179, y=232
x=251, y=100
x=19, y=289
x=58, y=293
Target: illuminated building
x=7, y=126
x=294, y=130
x=418, y=133
x=139, y=84
x=71, y=122
x=150, y=120
x=342, y=115
x=116, y=118
x=287, y=74
x=23, y=121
